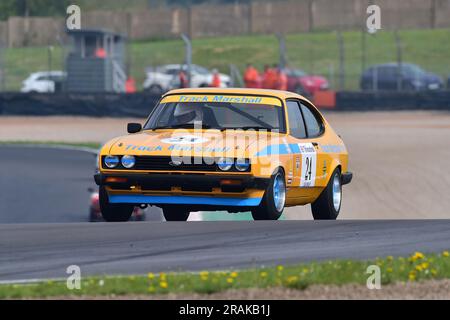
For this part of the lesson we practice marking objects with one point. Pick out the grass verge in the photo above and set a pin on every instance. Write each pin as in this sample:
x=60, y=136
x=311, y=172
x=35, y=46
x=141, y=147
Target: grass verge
x=416, y=267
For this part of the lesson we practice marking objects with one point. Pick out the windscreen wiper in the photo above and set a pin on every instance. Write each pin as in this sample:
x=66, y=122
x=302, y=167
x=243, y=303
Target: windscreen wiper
x=248, y=128
x=183, y=126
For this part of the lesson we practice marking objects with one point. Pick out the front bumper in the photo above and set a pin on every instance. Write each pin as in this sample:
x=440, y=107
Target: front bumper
x=187, y=181
x=186, y=189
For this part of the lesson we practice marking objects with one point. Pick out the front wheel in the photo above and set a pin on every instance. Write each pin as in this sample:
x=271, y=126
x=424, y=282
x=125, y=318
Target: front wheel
x=114, y=212
x=272, y=204
x=175, y=213
x=328, y=205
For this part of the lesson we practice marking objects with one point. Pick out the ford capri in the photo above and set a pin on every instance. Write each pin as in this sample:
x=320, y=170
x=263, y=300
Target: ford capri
x=224, y=149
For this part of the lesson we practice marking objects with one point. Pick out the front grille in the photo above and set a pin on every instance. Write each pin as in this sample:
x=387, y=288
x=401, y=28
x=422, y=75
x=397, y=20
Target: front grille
x=166, y=163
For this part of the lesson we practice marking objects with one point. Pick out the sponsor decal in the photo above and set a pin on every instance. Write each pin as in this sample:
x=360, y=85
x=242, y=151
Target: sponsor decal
x=309, y=161
x=332, y=148
x=218, y=98
x=185, y=139
x=143, y=148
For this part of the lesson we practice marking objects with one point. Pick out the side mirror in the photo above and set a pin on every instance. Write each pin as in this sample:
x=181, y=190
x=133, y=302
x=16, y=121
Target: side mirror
x=134, y=127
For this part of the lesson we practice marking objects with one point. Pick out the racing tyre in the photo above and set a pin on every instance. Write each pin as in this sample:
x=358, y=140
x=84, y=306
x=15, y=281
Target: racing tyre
x=114, y=212
x=175, y=213
x=272, y=204
x=328, y=205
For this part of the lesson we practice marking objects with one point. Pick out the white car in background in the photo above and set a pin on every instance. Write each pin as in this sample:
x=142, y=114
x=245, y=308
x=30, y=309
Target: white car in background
x=164, y=78
x=43, y=81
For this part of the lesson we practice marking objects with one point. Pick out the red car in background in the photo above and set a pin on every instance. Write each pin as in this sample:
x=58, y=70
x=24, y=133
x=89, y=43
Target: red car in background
x=302, y=83
x=95, y=215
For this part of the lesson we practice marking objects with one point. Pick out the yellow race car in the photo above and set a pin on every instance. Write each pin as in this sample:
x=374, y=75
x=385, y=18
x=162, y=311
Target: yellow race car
x=234, y=150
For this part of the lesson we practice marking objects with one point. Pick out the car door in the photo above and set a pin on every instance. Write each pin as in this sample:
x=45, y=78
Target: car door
x=305, y=131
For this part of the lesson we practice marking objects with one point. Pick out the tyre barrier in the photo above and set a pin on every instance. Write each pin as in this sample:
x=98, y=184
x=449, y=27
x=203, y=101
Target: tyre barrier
x=140, y=104
x=93, y=105
x=384, y=101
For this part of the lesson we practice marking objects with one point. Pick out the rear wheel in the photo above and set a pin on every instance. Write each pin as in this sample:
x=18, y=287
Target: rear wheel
x=328, y=205
x=272, y=204
x=175, y=213
x=114, y=212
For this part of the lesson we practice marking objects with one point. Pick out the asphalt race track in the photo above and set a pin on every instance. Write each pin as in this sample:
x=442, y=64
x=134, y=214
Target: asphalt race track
x=50, y=185
x=44, y=184
x=30, y=251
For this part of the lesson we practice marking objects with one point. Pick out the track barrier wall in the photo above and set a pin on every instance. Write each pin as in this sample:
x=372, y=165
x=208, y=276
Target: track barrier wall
x=140, y=104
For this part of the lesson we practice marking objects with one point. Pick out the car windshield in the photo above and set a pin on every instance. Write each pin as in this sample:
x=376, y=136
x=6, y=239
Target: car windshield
x=199, y=69
x=298, y=73
x=413, y=70
x=217, y=115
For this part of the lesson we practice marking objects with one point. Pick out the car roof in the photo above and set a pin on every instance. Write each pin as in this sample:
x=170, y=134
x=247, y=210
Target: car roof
x=392, y=64
x=239, y=91
x=44, y=73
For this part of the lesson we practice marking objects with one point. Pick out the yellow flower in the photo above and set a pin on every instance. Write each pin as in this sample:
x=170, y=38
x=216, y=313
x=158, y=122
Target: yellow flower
x=292, y=279
x=445, y=253
x=163, y=284
x=305, y=270
x=263, y=274
x=204, y=274
x=280, y=268
x=234, y=274
x=419, y=268
x=390, y=258
x=389, y=270
x=425, y=265
x=412, y=276
x=417, y=256
x=433, y=272
x=151, y=289
x=230, y=280
x=151, y=276
x=162, y=276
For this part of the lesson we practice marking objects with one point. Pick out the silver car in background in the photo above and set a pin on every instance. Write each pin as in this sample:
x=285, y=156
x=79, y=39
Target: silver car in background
x=163, y=78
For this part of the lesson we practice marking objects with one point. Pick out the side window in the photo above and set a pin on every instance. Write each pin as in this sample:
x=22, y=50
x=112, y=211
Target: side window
x=313, y=124
x=296, y=123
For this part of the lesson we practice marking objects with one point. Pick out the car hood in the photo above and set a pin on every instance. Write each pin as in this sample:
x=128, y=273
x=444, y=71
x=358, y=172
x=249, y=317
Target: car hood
x=432, y=78
x=204, y=143
x=313, y=79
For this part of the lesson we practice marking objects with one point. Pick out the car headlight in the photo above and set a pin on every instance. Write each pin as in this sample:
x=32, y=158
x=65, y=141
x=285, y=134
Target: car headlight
x=111, y=161
x=128, y=161
x=225, y=164
x=242, y=165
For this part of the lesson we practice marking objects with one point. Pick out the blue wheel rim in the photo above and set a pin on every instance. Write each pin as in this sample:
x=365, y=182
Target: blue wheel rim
x=279, y=192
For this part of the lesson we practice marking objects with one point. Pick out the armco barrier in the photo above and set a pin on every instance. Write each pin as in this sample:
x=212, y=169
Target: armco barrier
x=366, y=101
x=140, y=104
x=94, y=105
